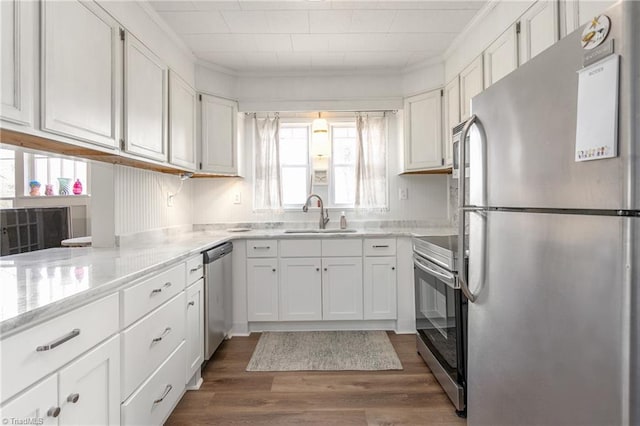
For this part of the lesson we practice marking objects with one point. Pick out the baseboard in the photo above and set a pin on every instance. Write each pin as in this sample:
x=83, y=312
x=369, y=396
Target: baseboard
x=322, y=325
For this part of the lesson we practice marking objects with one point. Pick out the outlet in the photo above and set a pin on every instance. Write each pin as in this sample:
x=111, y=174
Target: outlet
x=170, y=200
x=403, y=193
x=237, y=198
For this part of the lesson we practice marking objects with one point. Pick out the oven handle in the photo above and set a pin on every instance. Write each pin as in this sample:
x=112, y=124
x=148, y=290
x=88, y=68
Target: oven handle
x=449, y=279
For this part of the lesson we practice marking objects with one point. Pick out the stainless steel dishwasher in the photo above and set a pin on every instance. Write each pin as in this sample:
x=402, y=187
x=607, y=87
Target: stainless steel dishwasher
x=217, y=296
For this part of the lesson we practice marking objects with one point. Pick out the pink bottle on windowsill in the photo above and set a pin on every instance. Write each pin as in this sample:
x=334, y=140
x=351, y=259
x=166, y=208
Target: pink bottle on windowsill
x=77, y=187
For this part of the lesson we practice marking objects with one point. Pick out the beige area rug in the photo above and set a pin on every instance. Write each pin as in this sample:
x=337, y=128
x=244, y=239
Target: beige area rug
x=324, y=351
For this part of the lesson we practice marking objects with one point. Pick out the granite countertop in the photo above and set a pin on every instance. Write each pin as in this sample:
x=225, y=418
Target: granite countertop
x=42, y=284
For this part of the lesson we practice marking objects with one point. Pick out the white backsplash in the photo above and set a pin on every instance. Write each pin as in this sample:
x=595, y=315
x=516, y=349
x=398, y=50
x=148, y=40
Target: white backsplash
x=141, y=201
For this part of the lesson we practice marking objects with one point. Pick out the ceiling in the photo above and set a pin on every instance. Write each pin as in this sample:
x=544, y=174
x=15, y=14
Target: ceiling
x=316, y=35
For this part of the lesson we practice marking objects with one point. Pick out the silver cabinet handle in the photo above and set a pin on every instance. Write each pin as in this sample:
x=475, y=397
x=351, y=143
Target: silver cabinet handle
x=159, y=290
x=73, y=333
x=164, y=334
x=462, y=274
x=196, y=269
x=381, y=246
x=74, y=397
x=164, y=395
x=192, y=303
x=261, y=247
x=53, y=412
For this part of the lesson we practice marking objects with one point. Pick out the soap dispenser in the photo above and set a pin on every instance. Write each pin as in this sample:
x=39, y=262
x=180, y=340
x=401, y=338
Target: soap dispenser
x=343, y=221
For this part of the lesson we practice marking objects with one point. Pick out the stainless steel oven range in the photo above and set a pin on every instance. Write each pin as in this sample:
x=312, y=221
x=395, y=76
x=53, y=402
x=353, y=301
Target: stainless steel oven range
x=441, y=314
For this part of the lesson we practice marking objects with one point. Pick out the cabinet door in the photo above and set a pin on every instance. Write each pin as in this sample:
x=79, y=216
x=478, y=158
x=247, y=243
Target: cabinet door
x=18, y=42
x=342, y=288
x=90, y=387
x=218, y=127
x=38, y=402
x=300, y=289
x=81, y=67
x=423, y=131
x=538, y=29
x=182, y=122
x=451, y=108
x=195, y=328
x=501, y=57
x=471, y=83
x=145, y=101
x=380, y=288
x=262, y=289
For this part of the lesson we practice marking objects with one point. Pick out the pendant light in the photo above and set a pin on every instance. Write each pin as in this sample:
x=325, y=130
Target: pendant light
x=320, y=137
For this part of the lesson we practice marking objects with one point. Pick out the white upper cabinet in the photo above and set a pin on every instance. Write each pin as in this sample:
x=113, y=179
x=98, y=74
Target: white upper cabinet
x=501, y=57
x=539, y=29
x=145, y=101
x=218, y=135
x=17, y=38
x=423, y=131
x=579, y=12
x=182, y=122
x=81, y=72
x=471, y=83
x=451, y=112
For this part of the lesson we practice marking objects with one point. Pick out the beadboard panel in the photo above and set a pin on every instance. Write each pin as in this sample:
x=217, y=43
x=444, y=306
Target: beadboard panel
x=141, y=200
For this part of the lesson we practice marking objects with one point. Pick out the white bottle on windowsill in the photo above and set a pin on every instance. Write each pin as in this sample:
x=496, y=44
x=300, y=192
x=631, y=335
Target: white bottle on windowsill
x=343, y=221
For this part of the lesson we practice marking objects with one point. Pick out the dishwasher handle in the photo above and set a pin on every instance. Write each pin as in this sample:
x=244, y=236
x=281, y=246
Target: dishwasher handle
x=217, y=252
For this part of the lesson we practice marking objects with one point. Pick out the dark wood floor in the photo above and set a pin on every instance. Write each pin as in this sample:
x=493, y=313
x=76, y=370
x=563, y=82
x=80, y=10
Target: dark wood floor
x=230, y=395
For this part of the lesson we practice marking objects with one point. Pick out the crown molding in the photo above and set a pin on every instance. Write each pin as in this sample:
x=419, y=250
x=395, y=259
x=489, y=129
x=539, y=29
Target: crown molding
x=473, y=23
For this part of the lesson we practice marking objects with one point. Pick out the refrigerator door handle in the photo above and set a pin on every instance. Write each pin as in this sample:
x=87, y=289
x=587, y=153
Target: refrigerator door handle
x=462, y=186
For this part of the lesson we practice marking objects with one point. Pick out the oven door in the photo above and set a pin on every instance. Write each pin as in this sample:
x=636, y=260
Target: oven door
x=440, y=316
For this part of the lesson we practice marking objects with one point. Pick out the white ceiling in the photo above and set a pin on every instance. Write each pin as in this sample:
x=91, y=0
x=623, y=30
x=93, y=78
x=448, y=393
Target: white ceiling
x=317, y=35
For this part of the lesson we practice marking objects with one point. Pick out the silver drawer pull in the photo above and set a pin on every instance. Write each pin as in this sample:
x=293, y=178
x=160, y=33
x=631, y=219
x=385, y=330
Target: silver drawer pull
x=195, y=269
x=159, y=290
x=73, y=333
x=53, y=412
x=380, y=246
x=192, y=303
x=261, y=247
x=164, y=334
x=74, y=397
x=164, y=395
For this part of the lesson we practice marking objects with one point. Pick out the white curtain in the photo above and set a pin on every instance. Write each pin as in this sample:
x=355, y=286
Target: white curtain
x=371, y=163
x=268, y=190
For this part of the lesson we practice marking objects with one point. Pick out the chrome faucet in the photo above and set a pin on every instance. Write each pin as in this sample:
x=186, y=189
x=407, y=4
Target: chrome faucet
x=324, y=217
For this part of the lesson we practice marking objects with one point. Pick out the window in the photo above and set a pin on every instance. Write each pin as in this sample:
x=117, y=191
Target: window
x=47, y=170
x=7, y=178
x=343, y=165
x=294, y=163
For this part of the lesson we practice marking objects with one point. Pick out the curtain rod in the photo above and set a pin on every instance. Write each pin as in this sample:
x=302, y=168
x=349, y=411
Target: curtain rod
x=392, y=111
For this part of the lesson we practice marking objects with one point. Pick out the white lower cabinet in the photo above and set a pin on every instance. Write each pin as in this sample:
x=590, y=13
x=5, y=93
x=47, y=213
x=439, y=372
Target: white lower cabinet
x=380, y=290
x=300, y=289
x=194, y=333
x=262, y=289
x=39, y=402
x=154, y=400
x=90, y=387
x=342, y=288
x=87, y=391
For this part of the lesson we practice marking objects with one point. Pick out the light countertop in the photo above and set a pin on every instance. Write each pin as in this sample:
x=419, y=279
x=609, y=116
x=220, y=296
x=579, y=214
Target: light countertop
x=38, y=285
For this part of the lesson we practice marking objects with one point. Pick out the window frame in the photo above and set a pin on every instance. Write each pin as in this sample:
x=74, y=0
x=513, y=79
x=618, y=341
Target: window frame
x=343, y=122
x=298, y=123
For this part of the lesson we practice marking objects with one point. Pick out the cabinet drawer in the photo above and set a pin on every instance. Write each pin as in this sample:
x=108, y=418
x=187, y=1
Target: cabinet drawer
x=149, y=341
x=380, y=247
x=262, y=248
x=151, y=293
x=300, y=248
x=195, y=269
x=342, y=247
x=154, y=400
x=28, y=356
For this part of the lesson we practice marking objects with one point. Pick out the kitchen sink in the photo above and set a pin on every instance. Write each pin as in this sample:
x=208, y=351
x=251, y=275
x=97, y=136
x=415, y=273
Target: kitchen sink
x=319, y=231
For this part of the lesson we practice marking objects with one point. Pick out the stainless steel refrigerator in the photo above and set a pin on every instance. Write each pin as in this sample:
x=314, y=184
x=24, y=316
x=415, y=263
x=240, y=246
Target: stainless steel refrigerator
x=553, y=246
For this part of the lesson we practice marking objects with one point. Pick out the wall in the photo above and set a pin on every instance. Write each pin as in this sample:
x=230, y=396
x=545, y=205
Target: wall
x=140, y=202
x=213, y=198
